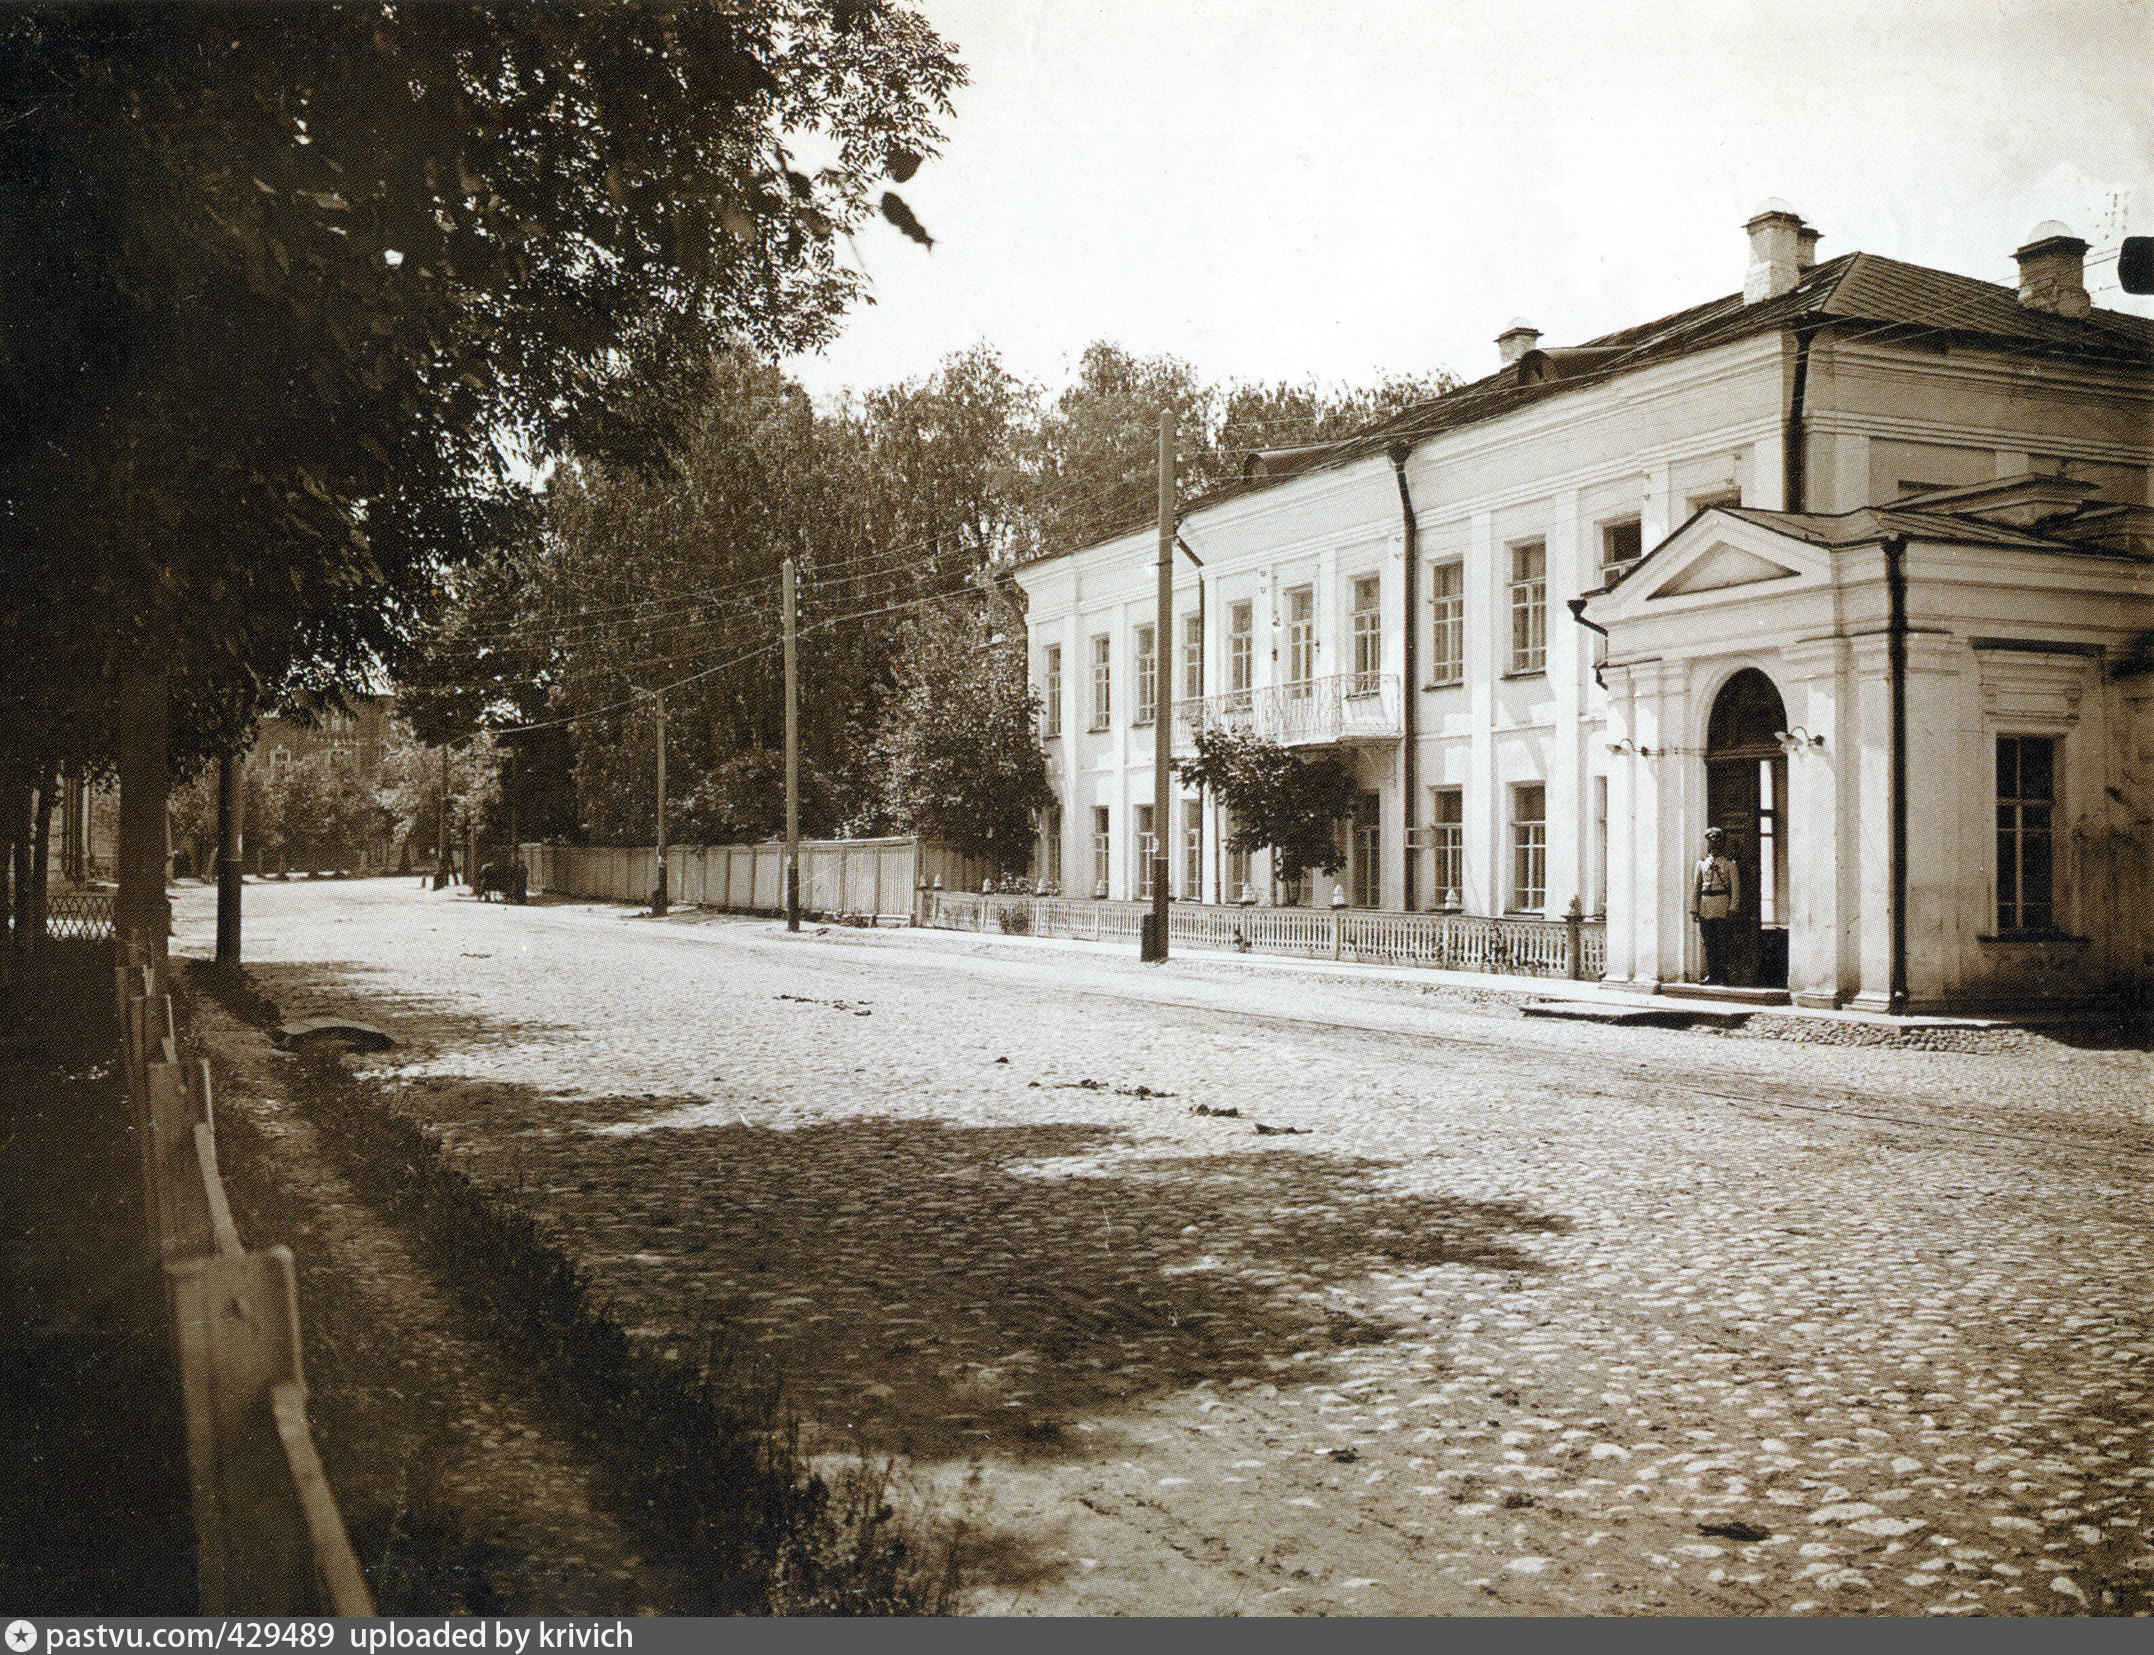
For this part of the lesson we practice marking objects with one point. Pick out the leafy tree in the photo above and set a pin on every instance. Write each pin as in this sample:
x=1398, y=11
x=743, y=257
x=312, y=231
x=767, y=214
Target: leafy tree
x=1096, y=465
x=958, y=760
x=285, y=280
x=1280, y=802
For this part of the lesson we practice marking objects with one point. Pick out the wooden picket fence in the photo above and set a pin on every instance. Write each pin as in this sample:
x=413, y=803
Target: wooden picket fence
x=269, y=1538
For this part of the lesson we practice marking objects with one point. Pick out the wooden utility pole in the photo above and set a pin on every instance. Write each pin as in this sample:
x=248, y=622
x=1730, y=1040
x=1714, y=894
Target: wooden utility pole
x=1155, y=941
x=441, y=817
x=792, y=759
x=658, y=897
x=228, y=880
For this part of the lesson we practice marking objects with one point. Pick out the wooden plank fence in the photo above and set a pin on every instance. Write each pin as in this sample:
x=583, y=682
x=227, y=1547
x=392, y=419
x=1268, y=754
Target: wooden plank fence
x=268, y=1535
x=872, y=879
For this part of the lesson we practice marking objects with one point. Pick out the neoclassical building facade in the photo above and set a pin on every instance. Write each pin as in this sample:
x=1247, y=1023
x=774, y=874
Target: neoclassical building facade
x=1855, y=563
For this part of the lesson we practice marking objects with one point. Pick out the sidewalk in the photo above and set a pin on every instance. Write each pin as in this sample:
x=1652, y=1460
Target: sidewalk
x=1557, y=997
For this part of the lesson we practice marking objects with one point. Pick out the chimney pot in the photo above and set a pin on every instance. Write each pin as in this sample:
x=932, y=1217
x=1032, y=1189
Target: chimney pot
x=1775, y=246
x=1806, y=247
x=1517, y=339
x=2052, y=271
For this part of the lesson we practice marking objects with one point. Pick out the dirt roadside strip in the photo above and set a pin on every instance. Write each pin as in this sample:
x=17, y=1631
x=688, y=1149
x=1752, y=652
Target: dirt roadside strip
x=470, y=1479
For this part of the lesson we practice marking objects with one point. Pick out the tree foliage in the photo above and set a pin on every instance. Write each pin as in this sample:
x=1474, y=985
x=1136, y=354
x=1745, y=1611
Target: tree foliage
x=897, y=507
x=958, y=760
x=1288, y=805
x=286, y=283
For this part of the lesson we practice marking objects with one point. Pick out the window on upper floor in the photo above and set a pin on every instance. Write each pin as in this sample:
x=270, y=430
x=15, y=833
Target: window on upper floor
x=1300, y=641
x=1241, y=651
x=1192, y=656
x=1529, y=608
x=1447, y=635
x=1621, y=545
x=1147, y=654
x=1368, y=634
x=1102, y=681
x=2026, y=805
x=1051, y=691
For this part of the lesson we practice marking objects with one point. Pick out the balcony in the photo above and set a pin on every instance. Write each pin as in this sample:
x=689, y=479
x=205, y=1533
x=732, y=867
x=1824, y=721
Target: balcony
x=1344, y=707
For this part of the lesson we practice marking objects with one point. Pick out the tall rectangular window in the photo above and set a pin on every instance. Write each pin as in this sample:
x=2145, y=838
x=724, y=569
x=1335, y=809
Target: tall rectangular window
x=1300, y=641
x=1147, y=652
x=1051, y=846
x=1447, y=838
x=1621, y=545
x=1447, y=640
x=1147, y=847
x=1368, y=633
x=1241, y=652
x=1051, y=692
x=1102, y=681
x=1529, y=608
x=1237, y=874
x=1368, y=851
x=1102, y=850
x=2026, y=803
x=1192, y=850
x=1529, y=847
x=1192, y=657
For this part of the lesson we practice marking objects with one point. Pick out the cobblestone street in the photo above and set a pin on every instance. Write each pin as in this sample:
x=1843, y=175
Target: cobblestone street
x=1217, y=1288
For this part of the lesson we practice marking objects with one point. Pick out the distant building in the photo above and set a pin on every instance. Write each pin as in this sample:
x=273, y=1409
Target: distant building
x=1567, y=616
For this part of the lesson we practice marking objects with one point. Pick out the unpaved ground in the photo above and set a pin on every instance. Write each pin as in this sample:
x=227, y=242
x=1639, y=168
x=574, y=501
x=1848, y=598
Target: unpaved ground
x=1496, y=1318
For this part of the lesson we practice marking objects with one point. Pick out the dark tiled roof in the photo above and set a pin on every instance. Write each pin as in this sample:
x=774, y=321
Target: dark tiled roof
x=1856, y=293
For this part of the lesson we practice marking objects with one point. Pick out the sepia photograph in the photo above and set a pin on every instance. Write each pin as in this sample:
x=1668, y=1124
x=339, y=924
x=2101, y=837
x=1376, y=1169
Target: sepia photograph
x=1072, y=809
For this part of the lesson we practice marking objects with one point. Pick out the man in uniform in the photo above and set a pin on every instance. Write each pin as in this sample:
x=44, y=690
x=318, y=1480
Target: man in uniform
x=1716, y=891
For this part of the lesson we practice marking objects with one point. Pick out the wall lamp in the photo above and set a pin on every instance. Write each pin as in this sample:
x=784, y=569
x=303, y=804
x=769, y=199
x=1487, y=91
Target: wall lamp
x=1798, y=737
x=1626, y=745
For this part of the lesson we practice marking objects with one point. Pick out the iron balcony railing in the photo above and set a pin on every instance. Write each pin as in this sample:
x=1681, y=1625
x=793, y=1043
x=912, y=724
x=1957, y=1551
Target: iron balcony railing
x=1344, y=706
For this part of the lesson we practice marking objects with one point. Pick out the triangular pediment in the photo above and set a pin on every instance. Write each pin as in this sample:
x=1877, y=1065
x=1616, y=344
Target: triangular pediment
x=1720, y=566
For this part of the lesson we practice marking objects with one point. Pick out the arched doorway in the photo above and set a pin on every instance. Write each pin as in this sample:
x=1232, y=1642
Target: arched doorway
x=1746, y=783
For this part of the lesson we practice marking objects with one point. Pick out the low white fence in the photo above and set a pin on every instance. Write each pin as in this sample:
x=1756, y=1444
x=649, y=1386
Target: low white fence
x=868, y=878
x=1575, y=947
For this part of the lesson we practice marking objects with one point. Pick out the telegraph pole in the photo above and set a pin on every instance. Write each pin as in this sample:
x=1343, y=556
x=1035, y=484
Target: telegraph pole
x=1155, y=942
x=658, y=897
x=792, y=760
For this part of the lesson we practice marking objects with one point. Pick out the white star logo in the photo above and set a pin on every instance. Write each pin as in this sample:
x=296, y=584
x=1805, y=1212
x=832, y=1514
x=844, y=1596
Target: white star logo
x=21, y=1637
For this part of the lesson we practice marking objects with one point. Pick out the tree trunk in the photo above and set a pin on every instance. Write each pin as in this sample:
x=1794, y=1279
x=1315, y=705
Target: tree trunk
x=228, y=880
x=48, y=785
x=141, y=912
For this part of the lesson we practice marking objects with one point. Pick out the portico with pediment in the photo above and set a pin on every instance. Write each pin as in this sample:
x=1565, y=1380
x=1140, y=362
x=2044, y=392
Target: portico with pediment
x=1994, y=856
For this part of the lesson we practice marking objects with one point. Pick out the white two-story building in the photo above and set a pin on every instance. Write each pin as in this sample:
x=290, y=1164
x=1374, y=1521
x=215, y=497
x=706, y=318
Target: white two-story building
x=1854, y=563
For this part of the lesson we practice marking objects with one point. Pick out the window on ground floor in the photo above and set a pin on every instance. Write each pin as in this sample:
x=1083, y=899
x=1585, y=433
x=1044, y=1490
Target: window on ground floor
x=1192, y=850
x=1447, y=838
x=2026, y=802
x=1529, y=847
x=1102, y=849
x=1146, y=847
x=1368, y=851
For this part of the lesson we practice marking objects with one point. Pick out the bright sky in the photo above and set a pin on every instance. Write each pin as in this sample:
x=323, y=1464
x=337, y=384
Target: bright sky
x=1341, y=188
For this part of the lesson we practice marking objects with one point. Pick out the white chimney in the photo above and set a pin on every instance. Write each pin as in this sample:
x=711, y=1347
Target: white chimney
x=1775, y=251
x=1805, y=247
x=1517, y=339
x=2052, y=271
